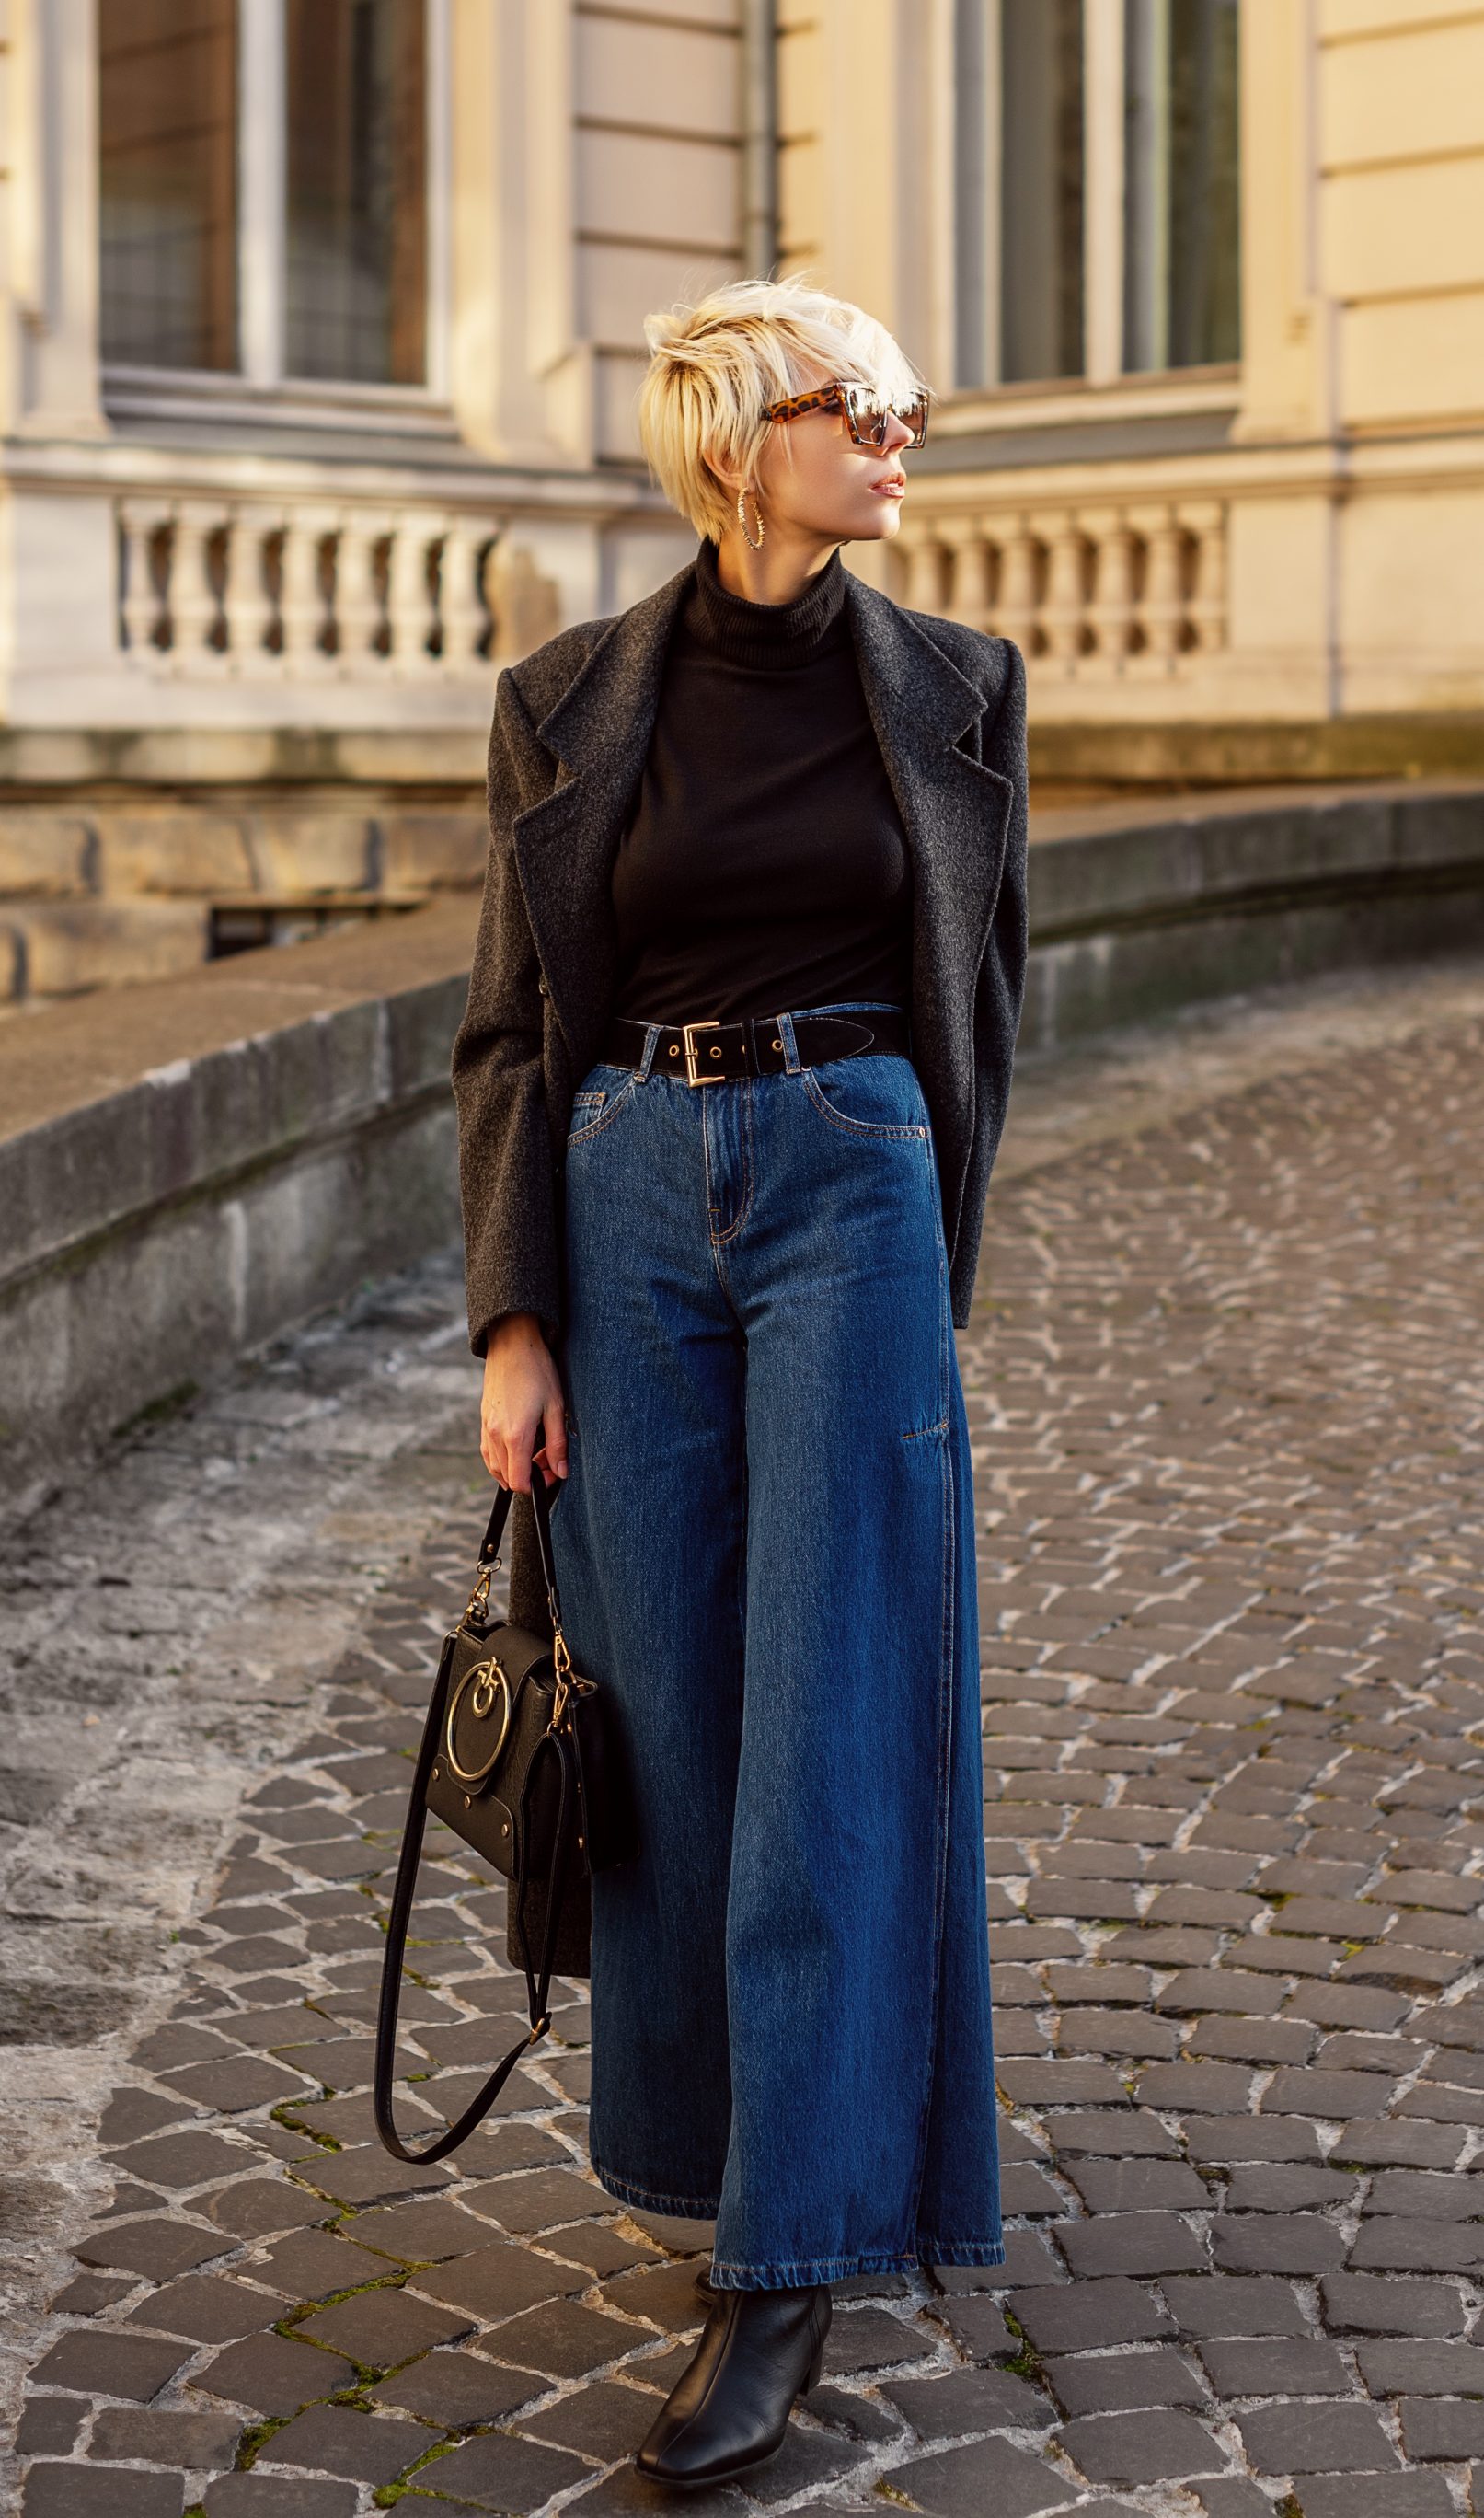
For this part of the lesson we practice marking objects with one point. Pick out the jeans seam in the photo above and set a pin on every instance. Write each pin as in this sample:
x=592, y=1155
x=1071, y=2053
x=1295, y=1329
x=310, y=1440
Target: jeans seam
x=719, y=1241
x=948, y=1627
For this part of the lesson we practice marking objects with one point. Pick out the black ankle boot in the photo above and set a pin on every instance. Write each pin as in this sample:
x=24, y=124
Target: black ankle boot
x=729, y=2409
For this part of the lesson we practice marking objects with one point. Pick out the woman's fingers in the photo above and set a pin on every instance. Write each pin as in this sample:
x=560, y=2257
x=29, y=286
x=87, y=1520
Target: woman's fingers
x=554, y=1426
x=521, y=1415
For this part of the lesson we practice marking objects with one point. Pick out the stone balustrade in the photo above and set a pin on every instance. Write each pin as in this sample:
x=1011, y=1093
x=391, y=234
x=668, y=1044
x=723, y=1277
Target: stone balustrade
x=1090, y=593
x=238, y=586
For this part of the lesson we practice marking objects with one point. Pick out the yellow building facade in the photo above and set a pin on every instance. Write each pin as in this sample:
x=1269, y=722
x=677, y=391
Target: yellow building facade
x=1282, y=540
x=321, y=335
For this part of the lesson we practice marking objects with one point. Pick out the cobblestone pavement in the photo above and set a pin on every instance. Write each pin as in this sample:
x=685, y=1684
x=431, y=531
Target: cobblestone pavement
x=1227, y=1398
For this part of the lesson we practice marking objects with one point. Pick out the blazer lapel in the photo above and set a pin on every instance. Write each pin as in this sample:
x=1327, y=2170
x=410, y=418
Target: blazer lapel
x=599, y=731
x=957, y=812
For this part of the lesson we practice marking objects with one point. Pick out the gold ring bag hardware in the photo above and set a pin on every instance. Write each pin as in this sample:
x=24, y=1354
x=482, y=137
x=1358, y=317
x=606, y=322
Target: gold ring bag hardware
x=524, y=1757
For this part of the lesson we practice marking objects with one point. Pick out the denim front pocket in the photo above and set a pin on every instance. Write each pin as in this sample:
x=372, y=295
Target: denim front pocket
x=868, y=1096
x=595, y=1106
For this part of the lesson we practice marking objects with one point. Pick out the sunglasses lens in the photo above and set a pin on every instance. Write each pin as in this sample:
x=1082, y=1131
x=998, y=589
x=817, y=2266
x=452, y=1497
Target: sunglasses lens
x=870, y=417
x=913, y=415
x=863, y=413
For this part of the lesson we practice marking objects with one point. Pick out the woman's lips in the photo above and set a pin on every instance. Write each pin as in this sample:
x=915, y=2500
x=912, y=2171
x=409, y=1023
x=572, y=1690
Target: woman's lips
x=889, y=489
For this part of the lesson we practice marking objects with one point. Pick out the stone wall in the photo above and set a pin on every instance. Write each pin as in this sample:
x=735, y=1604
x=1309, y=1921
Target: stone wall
x=1134, y=909
x=211, y=1159
x=100, y=894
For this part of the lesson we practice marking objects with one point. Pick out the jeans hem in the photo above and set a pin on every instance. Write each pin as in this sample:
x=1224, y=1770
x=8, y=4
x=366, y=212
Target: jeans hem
x=829, y=2269
x=680, y=2207
x=810, y=2269
x=963, y=2251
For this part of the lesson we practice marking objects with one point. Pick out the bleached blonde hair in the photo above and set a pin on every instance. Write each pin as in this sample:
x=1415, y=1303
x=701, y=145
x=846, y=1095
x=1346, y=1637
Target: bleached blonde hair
x=717, y=365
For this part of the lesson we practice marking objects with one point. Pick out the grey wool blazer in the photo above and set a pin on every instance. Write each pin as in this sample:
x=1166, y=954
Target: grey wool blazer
x=571, y=727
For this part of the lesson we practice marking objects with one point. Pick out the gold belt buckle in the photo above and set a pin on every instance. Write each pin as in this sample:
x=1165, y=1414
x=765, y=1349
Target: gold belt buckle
x=691, y=1076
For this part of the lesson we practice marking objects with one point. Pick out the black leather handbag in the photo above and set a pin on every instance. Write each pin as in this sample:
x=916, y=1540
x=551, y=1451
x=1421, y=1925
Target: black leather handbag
x=524, y=1759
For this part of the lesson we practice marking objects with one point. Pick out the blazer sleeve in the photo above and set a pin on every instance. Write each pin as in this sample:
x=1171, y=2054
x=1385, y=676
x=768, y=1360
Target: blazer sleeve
x=506, y=1183
x=999, y=994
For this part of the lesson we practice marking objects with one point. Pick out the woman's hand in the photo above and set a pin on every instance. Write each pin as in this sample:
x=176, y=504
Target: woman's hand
x=521, y=1403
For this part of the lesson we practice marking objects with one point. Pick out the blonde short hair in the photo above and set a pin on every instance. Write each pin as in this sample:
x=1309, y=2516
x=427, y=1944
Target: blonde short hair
x=715, y=367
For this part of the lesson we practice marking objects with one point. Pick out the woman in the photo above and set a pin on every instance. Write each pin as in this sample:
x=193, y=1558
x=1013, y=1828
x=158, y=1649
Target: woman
x=730, y=1085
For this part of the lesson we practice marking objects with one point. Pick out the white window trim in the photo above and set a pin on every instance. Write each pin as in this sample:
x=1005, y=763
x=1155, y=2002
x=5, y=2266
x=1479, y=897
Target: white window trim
x=262, y=188
x=259, y=384
x=976, y=195
x=1163, y=393
x=438, y=83
x=1103, y=205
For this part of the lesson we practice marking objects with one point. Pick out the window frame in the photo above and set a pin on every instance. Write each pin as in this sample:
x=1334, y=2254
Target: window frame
x=261, y=385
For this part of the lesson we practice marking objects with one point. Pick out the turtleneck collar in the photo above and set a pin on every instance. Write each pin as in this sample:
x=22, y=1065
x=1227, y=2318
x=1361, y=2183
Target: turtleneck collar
x=766, y=635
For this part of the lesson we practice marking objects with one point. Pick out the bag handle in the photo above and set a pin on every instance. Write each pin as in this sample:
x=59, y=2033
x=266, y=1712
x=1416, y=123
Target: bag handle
x=410, y=1862
x=495, y=1532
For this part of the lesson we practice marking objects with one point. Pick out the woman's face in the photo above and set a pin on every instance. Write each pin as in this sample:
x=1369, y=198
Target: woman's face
x=816, y=482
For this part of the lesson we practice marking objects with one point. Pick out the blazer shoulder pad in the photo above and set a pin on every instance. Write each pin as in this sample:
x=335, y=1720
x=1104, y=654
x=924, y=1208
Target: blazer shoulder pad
x=541, y=676
x=980, y=656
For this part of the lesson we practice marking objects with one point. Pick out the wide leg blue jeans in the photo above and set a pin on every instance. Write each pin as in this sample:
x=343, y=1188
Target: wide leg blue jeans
x=765, y=1548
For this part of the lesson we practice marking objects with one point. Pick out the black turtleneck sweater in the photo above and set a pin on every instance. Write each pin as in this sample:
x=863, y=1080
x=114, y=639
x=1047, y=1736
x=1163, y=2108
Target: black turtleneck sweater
x=765, y=867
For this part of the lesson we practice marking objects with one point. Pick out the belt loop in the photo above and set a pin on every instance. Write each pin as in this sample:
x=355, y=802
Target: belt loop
x=783, y=1026
x=647, y=1060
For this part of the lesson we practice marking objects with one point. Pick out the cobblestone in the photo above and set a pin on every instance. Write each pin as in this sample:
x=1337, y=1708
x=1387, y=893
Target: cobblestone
x=1226, y=1401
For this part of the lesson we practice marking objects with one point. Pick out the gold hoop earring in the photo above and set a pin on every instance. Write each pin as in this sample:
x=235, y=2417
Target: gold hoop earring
x=742, y=517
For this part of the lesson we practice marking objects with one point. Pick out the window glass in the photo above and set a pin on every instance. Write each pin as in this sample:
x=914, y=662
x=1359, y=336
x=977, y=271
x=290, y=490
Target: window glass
x=1182, y=304
x=1040, y=195
x=167, y=182
x=355, y=236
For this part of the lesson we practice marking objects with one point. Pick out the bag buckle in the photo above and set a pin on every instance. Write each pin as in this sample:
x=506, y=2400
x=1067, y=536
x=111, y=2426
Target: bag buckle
x=562, y=1659
x=692, y=1072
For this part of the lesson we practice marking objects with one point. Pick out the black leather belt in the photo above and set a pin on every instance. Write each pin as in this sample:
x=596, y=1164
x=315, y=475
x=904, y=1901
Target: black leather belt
x=717, y=1053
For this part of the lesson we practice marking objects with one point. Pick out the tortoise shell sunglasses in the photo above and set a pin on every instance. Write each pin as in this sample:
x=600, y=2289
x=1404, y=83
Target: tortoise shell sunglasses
x=867, y=414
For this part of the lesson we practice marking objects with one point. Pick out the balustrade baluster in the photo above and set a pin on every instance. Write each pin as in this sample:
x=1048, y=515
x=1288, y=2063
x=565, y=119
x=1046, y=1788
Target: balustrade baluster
x=1163, y=599
x=192, y=598
x=463, y=615
x=359, y=605
x=923, y=554
x=409, y=610
x=1017, y=591
x=1113, y=610
x=247, y=605
x=301, y=596
x=971, y=555
x=139, y=607
x=1205, y=609
x=1066, y=589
